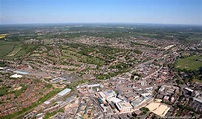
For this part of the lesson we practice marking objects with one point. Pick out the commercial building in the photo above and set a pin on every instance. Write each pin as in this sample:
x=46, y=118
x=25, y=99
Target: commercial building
x=107, y=94
x=64, y=92
x=124, y=106
x=16, y=76
x=21, y=72
x=91, y=86
x=114, y=100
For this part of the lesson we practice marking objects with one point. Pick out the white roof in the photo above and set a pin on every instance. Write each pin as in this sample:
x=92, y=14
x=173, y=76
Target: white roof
x=21, y=72
x=109, y=93
x=16, y=76
x=123, y=105
x=146, y=94
x=94, y=85
x=189, y=89
x=65, y=91
x=47, y=102
x=114, y=100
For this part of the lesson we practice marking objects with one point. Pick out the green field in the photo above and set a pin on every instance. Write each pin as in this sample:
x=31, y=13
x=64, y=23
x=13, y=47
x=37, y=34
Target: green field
x=6, y=47
x=189, y=63
x=25, y=49
x=10, y=50
x=15, y=50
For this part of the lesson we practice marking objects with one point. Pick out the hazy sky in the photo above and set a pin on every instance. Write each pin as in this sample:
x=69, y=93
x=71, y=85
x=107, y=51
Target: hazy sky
x=101, y=11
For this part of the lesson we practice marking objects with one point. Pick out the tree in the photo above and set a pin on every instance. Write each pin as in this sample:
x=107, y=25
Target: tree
x=144, y=110
x=134, y=114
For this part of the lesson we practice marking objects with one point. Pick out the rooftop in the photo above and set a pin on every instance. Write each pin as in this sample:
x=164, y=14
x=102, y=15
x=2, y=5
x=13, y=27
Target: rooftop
x=114, y=99
x=64, y=92
x=16, y=76
x=124, y=104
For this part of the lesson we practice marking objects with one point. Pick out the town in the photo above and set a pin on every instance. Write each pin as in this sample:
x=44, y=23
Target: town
x=95, y=74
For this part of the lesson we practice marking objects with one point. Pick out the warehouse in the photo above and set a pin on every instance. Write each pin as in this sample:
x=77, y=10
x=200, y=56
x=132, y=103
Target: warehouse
x=64, y=92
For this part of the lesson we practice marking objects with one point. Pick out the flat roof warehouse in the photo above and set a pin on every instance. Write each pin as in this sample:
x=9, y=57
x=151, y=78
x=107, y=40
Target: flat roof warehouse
x=64, y=92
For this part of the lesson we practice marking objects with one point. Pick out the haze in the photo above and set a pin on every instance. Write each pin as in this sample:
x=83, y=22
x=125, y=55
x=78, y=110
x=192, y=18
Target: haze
x=101, y=11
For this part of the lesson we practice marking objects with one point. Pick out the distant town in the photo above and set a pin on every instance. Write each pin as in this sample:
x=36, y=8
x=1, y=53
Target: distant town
x=99, y=71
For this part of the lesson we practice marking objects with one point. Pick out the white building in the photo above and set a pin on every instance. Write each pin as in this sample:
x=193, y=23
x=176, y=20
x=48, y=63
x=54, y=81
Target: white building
x=107, y=94
x=64, y=92
x=16, y=76
x=114, y=100
x=124, y=106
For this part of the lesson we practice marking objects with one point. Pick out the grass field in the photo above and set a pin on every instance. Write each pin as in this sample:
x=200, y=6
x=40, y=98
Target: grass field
x=25, y=49
x=6, y=47
x=15, y=50
x=189, y=63
x=10, y=50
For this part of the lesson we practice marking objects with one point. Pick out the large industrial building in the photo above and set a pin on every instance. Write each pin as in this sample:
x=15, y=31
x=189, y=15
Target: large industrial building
x=64, y=92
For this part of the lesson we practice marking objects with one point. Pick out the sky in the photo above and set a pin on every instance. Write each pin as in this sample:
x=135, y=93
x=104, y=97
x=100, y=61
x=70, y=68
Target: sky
x=101, y=11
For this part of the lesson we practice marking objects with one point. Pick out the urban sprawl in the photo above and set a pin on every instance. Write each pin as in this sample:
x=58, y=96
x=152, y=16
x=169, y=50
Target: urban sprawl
x=88, y=75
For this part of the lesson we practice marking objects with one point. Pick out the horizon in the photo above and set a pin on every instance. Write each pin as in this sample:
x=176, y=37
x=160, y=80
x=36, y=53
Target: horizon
x=167, y=12
x=141, y=24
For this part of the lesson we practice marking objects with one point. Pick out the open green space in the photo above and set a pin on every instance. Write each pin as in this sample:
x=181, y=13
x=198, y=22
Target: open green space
x=9, y=50
x=6, y=47
x=25, y=49
x=189, y=63
x=4, y=90
x=18, y=92
x=15, y=50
